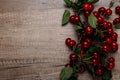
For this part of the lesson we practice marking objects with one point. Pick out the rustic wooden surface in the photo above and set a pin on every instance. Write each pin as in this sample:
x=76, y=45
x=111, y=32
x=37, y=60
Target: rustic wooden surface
x=32, y=40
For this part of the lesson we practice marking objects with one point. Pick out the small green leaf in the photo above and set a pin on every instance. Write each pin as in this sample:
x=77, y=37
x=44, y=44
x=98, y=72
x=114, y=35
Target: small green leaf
x=92, y=20
x=77, y=27
x=66, y=73
x=107, y=75
x=92, y=1
x=76, y=50
x=68, y=2
x=117, y=26
x=66, y=16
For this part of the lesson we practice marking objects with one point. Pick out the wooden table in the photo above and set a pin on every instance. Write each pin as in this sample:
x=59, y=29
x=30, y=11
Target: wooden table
x=32, y=40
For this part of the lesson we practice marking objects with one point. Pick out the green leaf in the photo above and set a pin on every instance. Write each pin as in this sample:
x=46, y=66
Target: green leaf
x=76, y=50
x=117, y=26
x=66, y=16
x=66, y=73
x=107, y=75
x=77, y=27
x=68, y=2
x=92, y=1
x=92, y=20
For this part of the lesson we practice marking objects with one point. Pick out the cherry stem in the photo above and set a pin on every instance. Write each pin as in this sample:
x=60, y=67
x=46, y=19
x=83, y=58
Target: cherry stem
x=87, y=58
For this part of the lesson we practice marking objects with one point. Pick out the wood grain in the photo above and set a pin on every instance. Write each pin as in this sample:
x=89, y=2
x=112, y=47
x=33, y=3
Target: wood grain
x=32, y=40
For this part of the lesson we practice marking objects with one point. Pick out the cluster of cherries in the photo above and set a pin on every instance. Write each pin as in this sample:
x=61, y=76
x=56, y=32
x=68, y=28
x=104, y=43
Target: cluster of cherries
x=109, y=43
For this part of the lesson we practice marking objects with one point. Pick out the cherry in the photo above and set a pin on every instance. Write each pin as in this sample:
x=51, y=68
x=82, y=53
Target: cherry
x=96, y=14
x=116, y=21
x=100, y=19
x=77, y=19
x=87, y=13
x=109, y=31
x=72, y=43
x=67, y=41
x=85, y=44
x=88, y=40
x=114, y=46
x=101, y=10
x=91, y=7
x=105, y=24
x=117, y=10
x=88, y=30
x=109, y=24
x=73, y=57
x=99, y=72
x=96, y=55
x=110, y=66
x=106, y=48
x=72, y=18
x=108, y=40
x=94, y=62
x=114, y=36
x=108, y=12
x=111, y=59
x=86, y=6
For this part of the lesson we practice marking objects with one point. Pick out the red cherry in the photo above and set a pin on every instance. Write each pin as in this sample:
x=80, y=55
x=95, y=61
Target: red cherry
x=73, y=57
x=116, y=21
x=99, y=72
x=111, y=59
x=96, y=55
x=100, y=19
x=105, y=24
x=77, y=19
x=88, y=30
x=114, y=36
x=108, y=40
x=110, y=66
x=114, y=46
x=94, y=62
x=88, y=40
x=96, y=14
x=87, y=13
x=67, y=41
x=109, y=25
x=86, y=6
x=85, y=44
x=91, y=7
x=109, y=31
x=108, y=12
x=72, y=18
x=101, y=10
x=106, y=48
x=72, y=43
x=117, y=10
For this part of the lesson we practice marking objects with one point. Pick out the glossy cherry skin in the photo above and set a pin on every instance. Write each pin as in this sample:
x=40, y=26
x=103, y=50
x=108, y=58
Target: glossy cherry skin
x=91, y=7
x=72, y=43
x=105, y=25
x=87, y=13
x=94, y=62
x=88, y=30
x=108, y=40
x=96, y=14
x=108, y=12
x=109, y=31
x=77, y=19
x=67, y=41
x=101, y=10
x=100, y=19
x=114, y=36
x=117, y=10
x=96, y=55
x=86, y=6
x=109, y=24
x=72, y=18
x=85, y=44
x=99, y=72
x=88, y=40
x=73, y=57
x=106, y=48
x=111, y=59
x=114, y=46
x=116, y=21
x=110, y=66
